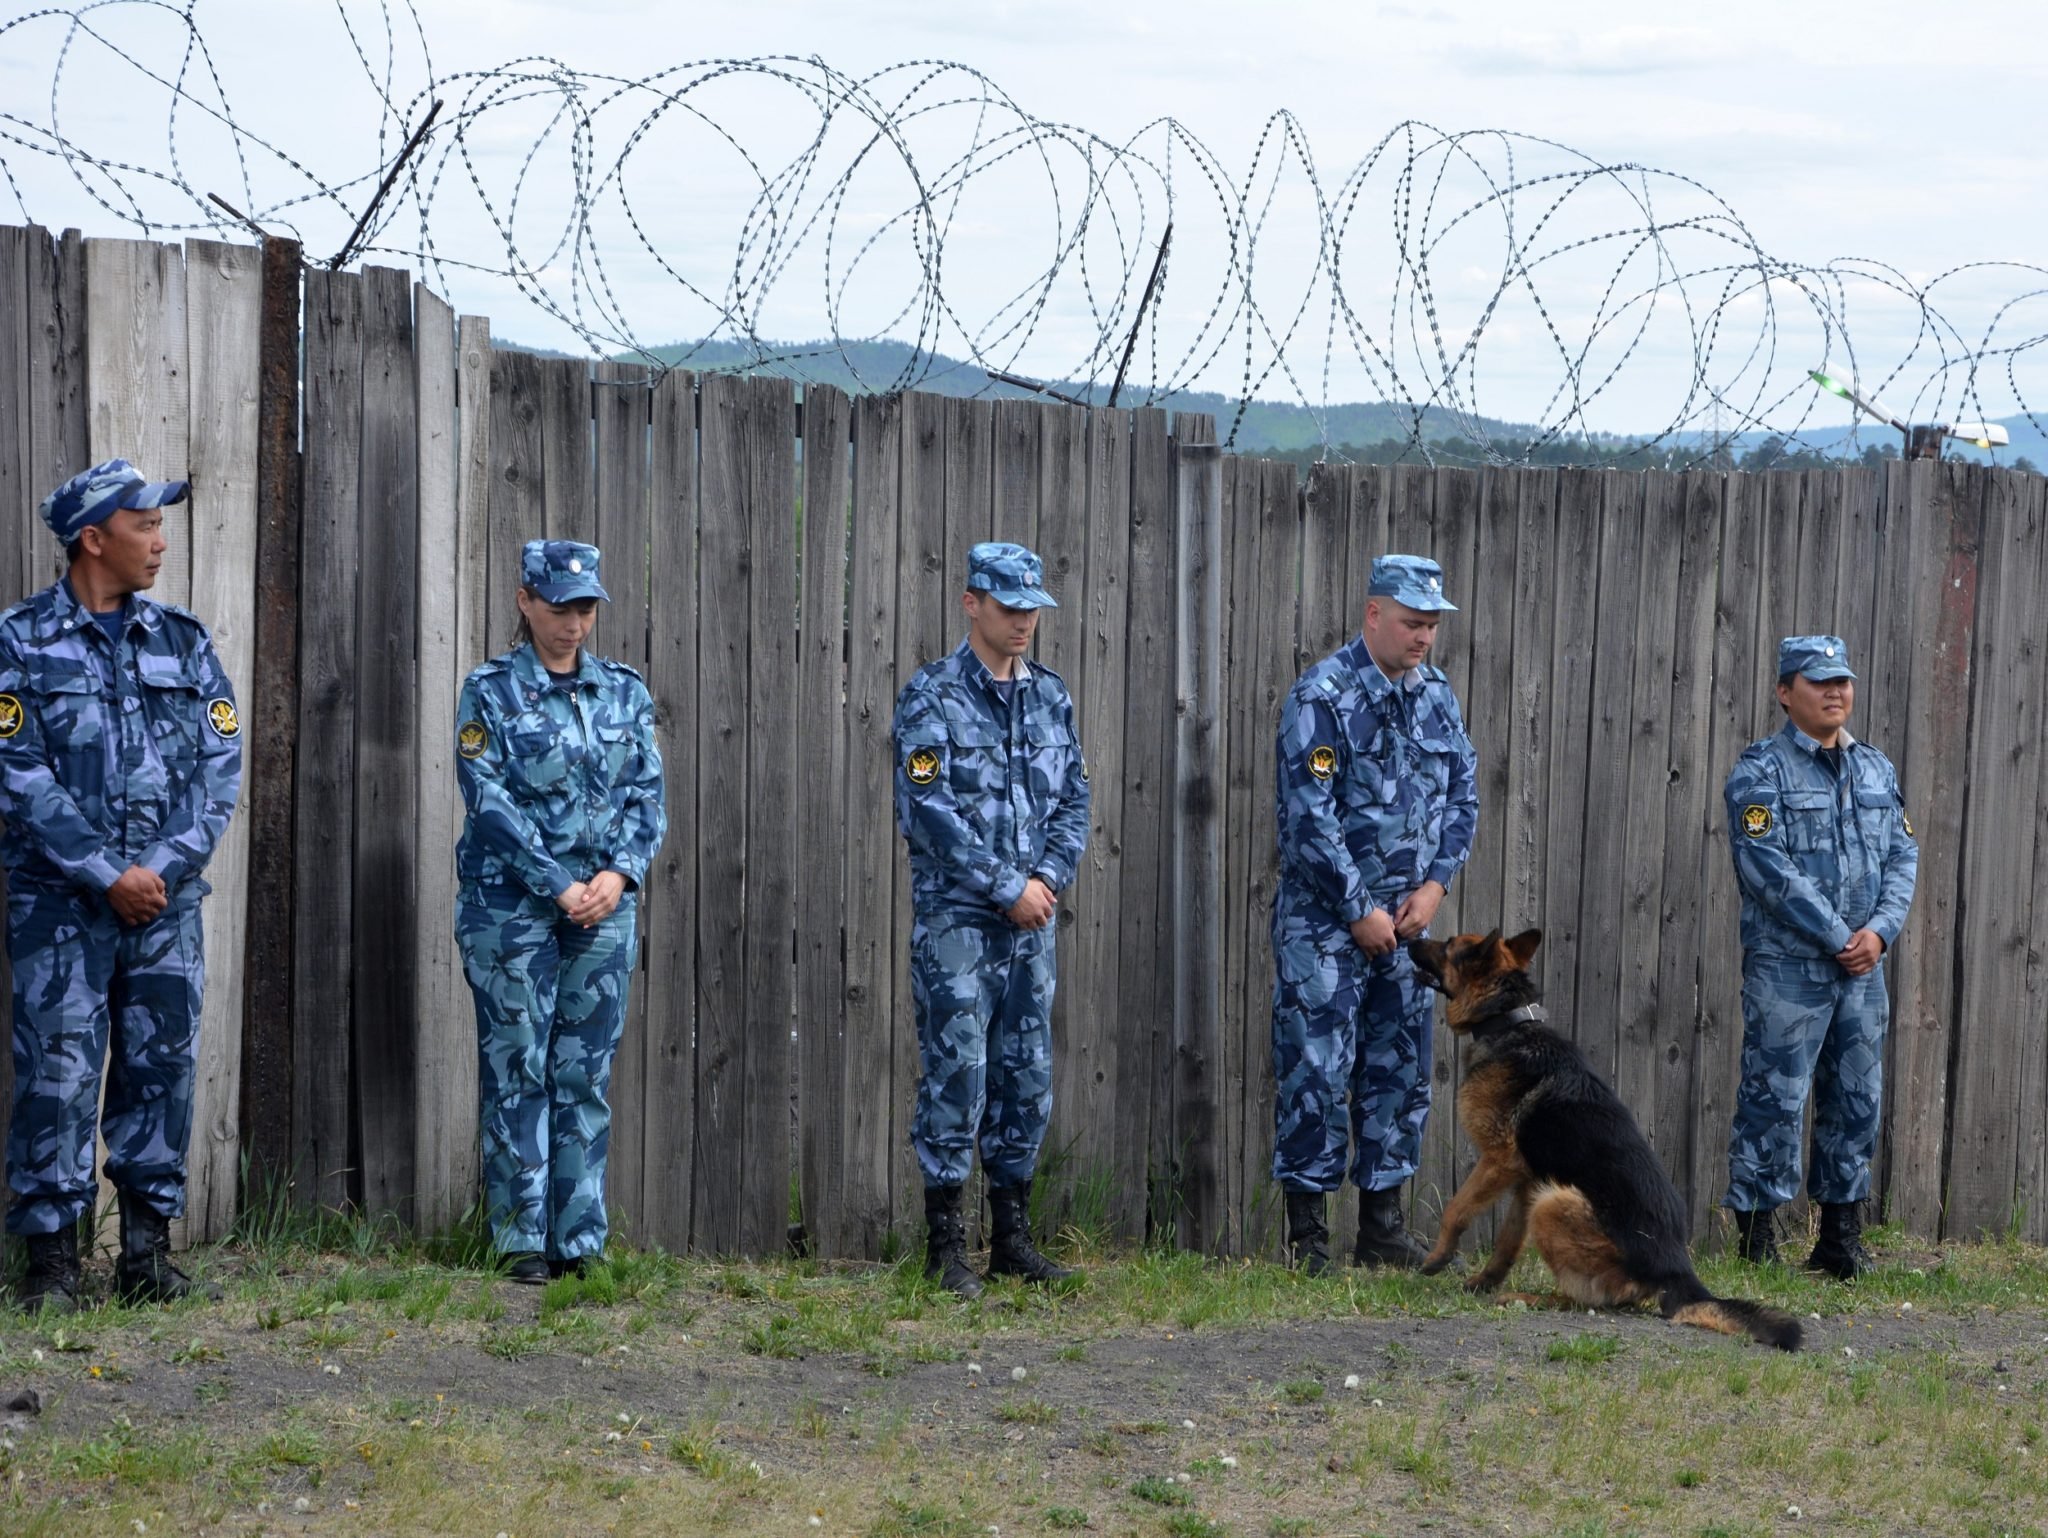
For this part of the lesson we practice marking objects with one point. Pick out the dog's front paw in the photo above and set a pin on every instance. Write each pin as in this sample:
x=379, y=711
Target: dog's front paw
x=1482, y=1282
x=1435, y=1264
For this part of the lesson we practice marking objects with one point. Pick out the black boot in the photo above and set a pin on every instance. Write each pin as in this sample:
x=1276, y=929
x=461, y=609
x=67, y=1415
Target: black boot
x=1308, y=1235
x=51, y=1283
x=1758, y=1231
x=1383, y=1237
x=145, y=1272
x=945, y=1242
x=1011, y=1252
x=1839, y=1250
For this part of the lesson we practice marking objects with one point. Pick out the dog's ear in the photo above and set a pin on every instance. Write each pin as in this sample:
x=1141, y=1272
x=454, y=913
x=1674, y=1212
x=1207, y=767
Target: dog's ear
x=1492, y=938
x=1523, y=946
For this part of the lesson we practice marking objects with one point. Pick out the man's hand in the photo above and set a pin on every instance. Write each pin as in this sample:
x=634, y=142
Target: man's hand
x=1862, y=953
x=573, y=897
x=1034, y=909
x=1374, y=934
x=1417, y=909
x=601, y=894
x=137, y=896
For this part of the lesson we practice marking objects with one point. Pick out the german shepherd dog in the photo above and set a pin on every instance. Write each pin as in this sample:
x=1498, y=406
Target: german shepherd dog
x=1585, y=1185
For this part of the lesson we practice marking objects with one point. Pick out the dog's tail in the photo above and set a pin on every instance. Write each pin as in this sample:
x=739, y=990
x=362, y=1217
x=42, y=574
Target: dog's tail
x=1689, y=1302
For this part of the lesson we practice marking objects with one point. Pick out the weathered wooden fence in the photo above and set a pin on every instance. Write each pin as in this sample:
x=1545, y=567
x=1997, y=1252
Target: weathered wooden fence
x=778, y=569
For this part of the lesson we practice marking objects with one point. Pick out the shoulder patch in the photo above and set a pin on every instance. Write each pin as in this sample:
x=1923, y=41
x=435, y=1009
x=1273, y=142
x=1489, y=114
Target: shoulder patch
x=1908, y=822
x=471, y=739
x=1756, y=820
x=220, y=715
x=921, y=765
x=1322, y=761
x=11, y=718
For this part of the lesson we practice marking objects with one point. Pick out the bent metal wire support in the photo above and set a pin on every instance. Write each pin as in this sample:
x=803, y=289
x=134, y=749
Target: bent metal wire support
x=1465, y=278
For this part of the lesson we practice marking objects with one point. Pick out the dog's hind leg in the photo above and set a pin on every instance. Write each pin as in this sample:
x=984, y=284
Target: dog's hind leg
x=1507, y=1246
x=1493, y=1175
x=1588, y=1267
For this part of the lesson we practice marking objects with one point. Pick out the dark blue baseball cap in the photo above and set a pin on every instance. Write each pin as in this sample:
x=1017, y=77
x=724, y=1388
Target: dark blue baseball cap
x=1414, y=580
x=1819, y=657
x=561, y=570
x=95, y=495
x=1010, y=574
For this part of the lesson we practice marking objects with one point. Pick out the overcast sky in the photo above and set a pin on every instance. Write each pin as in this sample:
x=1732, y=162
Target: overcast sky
x=1880, y=130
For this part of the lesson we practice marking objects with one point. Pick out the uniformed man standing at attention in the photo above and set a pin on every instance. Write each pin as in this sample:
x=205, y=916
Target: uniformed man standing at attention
x=992, y=797
x=120, y=761
x=1377, y=801
x=1826, y=861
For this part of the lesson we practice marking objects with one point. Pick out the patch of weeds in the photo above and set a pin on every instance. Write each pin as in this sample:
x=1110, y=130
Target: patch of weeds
x=1065, y=1518
x=294, y=1447
x=1027, y=1412
x=131, y=1457
x=697, y=1450
x=1289, y=1527
x=270, y=1319
x=1584, y=1350
x=486, y=1307
x=426, y=1298
x=1192, y=1524
x=213, y=1391
x=1076, y=1352
x=777, y=1338
x=1161, y=1492
x=1688, y=1479
x=810, y=1420
x=520, y=1341
x=1738, y=1381
x=330, y=1335
x=1301, y=1391
x=912, y=1519
x=196, y=1350
x=1102, y=1443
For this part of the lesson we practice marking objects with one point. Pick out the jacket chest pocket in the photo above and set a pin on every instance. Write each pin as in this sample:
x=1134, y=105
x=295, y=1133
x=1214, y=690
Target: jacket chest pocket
x=977, y=755
x=535, y=755
x=616, y=746
x=172, y=706
x=65, y=696
x=1876, y=812
x=1809, y=817
x=1051, y=746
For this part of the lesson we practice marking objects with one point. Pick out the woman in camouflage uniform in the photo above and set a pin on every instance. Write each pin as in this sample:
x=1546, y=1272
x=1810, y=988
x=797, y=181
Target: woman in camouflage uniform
x=562, y=780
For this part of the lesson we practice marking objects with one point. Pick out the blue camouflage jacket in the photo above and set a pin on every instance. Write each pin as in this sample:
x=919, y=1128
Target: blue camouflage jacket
x=1818, y=857
x=1377, y=789
x=113, y=755
x=562, y=779
x=987, y=794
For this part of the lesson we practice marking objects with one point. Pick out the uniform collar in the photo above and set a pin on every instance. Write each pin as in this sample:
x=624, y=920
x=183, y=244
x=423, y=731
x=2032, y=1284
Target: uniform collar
x=1798, y=739
x=969, y=661
x=1358, y=656
x=526, y=664
x=65, y=612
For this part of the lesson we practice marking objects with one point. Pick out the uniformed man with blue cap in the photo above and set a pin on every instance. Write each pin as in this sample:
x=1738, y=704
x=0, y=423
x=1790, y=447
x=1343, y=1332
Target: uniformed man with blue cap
x=1377, y=801
x=1825, y=859
x=561, y=775
x=120, y=762
x=992, y=797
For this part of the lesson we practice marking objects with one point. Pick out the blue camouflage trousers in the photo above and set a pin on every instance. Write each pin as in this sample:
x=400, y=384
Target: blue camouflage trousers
x=1807, y=1026
x=85, y=983
x=550, y=1006
x=983, y=990
x=1345, y=1027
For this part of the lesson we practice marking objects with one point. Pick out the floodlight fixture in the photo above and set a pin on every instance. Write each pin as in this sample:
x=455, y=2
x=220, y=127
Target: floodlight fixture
x=1845, y=386
x=1986, y=435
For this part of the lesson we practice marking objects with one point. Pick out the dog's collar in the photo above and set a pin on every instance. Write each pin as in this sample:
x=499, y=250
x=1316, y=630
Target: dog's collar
x=1521, y=1014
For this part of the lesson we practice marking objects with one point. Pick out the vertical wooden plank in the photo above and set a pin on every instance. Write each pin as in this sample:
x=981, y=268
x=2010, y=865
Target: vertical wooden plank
x=322, y=942
x=1197, y=854
x=445, y=1104
x=1087, y=1064
x=1603, y=870
x=620, y=401
x=1525, y=819
x=2033, y=1075
x=1369, y=490
x=1017, y=453
x=669, y=895
x=16, y=434
x=1731, y=707
x=224, y=313
x=1687, y=510
x=969, y=446
x=880, y=1076
x=1144, y=1143
x=517, y=506
x=472, y=591
x=59, y=427
x=386, y=784
x=821, y=818
x=1239, y=552
x=1995, y=930
x=565, y=411
x=137, y=382
x=270, y=735
x=1576, y=569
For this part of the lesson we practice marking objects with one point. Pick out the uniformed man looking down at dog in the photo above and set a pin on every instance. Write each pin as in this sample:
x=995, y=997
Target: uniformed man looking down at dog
x=992, y=797
x=1825, y=858
x=1377, y=802
x=120, y=761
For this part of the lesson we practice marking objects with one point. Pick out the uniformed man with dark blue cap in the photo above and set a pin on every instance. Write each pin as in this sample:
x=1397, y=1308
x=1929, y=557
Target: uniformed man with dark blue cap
x=561, y=775
x=992, y=797
x=1826, y=861
x=120, y=762
x=1377, y=802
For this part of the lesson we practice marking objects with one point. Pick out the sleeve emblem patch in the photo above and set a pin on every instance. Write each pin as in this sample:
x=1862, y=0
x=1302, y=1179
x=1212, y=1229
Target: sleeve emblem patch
x=1756, y=820
x=10, y=715
x=1322, y=762
x=922, y=766
x=472, y=739
x=220, y=715
x=1902, y=811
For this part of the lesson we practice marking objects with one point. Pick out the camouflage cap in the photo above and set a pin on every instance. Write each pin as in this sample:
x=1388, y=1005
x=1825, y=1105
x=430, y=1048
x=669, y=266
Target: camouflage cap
x=561, y=570
x=1414, y=580
x=95, y=495
x=1009, y=574
x=1819, y=657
